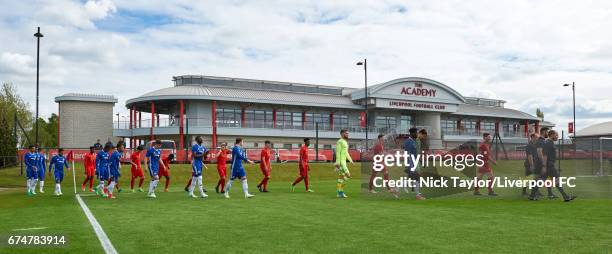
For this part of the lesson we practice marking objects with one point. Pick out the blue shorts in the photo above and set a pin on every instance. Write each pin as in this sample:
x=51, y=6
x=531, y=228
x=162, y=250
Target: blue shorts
x=238, y=173
x=103, y=175
x=153, y=172
x=59, y=176
x=115, y=174
x=41, y=175
x=31, y=174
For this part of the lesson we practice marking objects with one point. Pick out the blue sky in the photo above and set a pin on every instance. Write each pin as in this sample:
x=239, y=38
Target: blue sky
x=519, y=51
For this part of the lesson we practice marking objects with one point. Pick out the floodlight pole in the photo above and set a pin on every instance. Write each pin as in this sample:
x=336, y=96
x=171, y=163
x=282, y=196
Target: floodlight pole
x=38, y=35
x=573, y=84
x=365, y=74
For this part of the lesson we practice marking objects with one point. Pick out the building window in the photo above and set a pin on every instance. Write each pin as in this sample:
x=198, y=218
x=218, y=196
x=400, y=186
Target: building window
x=405, y=123
x=228, y=117
x=283, y=120
x=297, y=120
x=449, y=126
x=340, y=122
x=385, y=123
x=322, y=119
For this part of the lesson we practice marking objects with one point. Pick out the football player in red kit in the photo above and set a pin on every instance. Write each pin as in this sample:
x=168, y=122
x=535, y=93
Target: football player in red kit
x=222, y=167
x=303, y=167
x=90, y=169
x=136, y=168
x=264, y=165
x=484, y=149
x=165, y=171
x=379, y=148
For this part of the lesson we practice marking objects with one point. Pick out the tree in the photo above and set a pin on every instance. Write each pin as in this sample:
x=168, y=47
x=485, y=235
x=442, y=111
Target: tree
x=47, y=131
x=8, y=145
x=10, y=104
x=540, y=114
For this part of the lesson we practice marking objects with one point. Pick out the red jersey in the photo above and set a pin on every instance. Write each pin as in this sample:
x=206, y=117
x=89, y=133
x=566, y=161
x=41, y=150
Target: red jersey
x=304, y=155
x=222, y=159
x=90, y=161
x=166, y=162
x=135, y=158
x=485, y=150
x=264, y=164
x=379, y=148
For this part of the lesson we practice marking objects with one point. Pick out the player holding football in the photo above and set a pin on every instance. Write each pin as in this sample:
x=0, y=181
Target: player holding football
x=342, y=155
x=197, y=163
x=166, y=172
x=58, y=162
x=222, y=167
x=237, y=170
x=90, y=168
x=115, y=168
x=264, y=166
x=103, y=168
x=484, y=149
x=136, y=169
x=152, y=159
x=31, y=161
x=303, y=167
x=42, y=167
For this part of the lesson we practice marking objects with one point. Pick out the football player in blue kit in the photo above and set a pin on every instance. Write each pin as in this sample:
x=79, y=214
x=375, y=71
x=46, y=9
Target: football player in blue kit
x=57, y=164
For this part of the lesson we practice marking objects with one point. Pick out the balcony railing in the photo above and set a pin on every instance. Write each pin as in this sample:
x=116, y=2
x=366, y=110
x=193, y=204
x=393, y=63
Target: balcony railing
x=477, y=133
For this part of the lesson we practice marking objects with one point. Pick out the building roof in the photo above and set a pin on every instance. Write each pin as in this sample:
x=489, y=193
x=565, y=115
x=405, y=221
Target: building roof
x=86, y=97
x=246, y=95
x=477, y=110
x=596, y=130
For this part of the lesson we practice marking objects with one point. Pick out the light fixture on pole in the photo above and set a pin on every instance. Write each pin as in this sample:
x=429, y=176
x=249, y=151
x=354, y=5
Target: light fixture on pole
x=365, y=73
x=573, y=84
x=38, y=35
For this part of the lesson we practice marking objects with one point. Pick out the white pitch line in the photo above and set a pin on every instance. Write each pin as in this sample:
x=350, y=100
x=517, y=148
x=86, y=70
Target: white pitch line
x=26, y=229
x=106, y=243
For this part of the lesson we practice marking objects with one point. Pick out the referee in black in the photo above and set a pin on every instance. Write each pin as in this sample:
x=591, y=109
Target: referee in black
x=549, y=168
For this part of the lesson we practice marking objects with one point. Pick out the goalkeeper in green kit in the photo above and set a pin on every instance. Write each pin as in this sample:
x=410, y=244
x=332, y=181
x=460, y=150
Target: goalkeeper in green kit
x=342, y=155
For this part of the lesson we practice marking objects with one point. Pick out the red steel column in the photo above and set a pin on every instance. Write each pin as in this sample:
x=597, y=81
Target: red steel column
x=152, y=120
x=214, y=124
x=274, y=118
x=243, y=117
x=181, y=137
x=478, y=126
x=526, y=128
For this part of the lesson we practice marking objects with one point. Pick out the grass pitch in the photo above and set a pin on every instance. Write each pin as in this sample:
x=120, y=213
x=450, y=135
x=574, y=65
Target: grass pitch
x=299, y=222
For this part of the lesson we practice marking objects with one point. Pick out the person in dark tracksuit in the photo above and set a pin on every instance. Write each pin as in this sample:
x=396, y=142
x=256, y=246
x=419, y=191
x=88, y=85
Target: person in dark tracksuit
x=549, y=168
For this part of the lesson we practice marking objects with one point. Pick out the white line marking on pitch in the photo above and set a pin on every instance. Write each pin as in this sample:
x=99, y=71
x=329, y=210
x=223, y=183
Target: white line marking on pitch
x=106, y=243
x=26, y=229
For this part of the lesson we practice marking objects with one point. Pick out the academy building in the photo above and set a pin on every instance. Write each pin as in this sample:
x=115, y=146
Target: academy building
x=222, y=108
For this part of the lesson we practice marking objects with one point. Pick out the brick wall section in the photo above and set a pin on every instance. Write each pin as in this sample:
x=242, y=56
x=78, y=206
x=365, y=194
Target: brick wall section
x=82, y=122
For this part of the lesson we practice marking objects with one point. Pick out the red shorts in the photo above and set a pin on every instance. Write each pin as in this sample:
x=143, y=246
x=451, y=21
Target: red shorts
x=485, y=169
x=90, y=171
x=137, y=172
x=265, y=172
x=162, y=172
x=303, y=170
x=222, y=172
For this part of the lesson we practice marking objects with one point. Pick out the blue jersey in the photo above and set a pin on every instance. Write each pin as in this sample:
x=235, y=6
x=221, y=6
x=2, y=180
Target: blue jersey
x=154, y=156
x=102, y=163
x=238, y=155
x=410, y=147
x=114, y=162
x=42, y=160
x=58, y=163
x=198, y=152
x=31, y=160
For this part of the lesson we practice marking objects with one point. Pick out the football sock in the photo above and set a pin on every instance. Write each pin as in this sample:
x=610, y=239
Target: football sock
x=167, y=182
x=490, y=184
x=132, y=183
x=192, y=184
x=306, y=183
x=111, y=187
x=245, y=186
x=200, y=186
x=297, y=180
x=417, y=187
x=140, y=182
x=42, y=183
x=29, y=184
x=228, y=186
x=371, y=182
